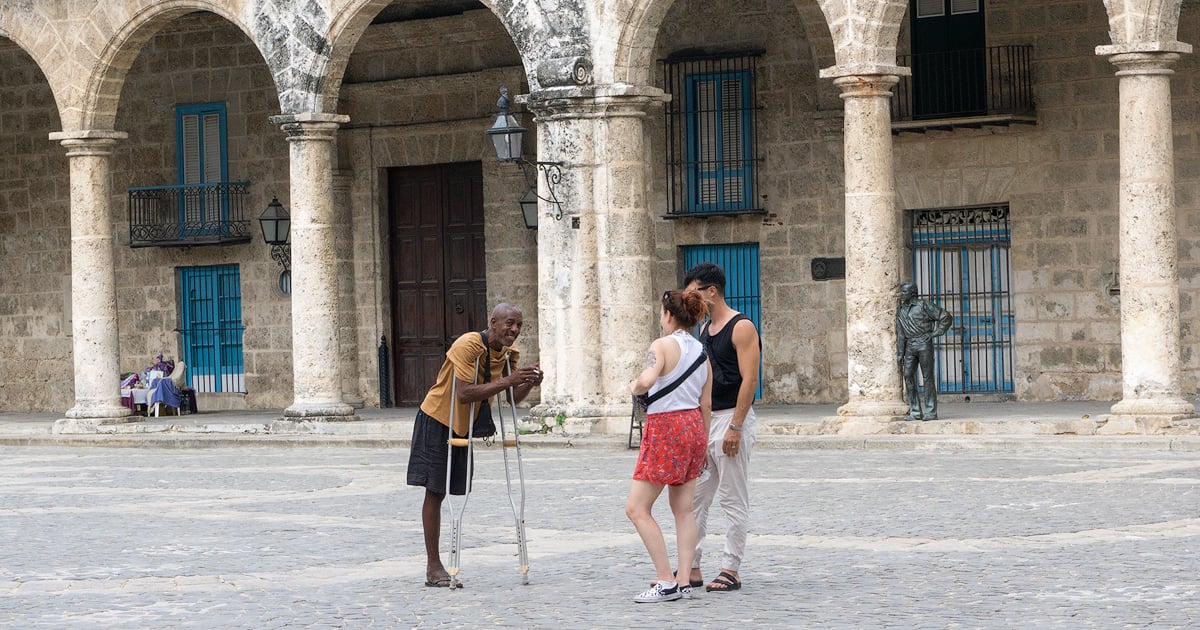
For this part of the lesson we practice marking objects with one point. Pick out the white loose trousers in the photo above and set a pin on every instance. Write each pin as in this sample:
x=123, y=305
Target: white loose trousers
x=729, y=477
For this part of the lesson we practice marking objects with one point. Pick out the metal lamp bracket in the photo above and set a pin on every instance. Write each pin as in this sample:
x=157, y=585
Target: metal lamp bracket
x=552, y=171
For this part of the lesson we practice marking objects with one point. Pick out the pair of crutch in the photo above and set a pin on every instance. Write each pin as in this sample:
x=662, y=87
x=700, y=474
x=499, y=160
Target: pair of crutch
x=456, y=512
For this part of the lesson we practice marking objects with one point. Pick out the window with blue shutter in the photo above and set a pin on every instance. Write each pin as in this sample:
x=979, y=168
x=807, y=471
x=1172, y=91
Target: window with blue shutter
x=203, y=165
x=711, y=135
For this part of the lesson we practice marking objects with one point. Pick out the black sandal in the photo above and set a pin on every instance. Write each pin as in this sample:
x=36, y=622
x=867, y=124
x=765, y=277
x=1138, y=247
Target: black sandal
x=724, y=583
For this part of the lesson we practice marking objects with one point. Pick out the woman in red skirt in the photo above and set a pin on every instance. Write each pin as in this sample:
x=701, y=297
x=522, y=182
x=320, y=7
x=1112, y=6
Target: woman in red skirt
x=674, y=439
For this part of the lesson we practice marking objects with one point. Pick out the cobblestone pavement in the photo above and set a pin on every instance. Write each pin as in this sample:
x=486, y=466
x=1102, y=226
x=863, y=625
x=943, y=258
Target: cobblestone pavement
x=329, y=537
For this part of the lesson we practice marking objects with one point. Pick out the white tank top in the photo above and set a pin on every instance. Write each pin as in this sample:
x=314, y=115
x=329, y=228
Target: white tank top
x=687, y=394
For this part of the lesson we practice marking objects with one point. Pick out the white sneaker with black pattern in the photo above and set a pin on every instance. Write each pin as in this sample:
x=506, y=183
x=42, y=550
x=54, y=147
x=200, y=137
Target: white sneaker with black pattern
x=657, y=593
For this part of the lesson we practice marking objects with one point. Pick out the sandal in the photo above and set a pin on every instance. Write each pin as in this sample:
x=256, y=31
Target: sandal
x=443, y=582
x=724, y=583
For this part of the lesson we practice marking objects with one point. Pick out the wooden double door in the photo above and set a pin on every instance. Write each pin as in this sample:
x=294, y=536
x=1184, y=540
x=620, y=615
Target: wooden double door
x=437, y=268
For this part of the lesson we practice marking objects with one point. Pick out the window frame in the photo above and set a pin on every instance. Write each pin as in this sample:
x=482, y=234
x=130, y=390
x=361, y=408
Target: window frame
x=688, y=126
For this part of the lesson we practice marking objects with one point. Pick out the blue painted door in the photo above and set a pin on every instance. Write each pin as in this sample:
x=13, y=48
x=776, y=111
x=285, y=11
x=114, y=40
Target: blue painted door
x=211, y=323
x=742, y=292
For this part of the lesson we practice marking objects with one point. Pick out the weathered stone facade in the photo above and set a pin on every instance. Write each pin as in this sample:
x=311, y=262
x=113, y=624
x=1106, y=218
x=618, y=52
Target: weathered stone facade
x=1102, y=190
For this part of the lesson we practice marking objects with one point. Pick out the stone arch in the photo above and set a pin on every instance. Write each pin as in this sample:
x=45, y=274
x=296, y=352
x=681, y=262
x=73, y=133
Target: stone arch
x=98, y=108
x=1139, y=21
x=536, y=33
x=347, y=27
x=638, y=23
x=15, y=30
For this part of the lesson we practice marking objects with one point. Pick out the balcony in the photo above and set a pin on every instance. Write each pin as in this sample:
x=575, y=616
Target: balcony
x=965, y=88
x=189, y=215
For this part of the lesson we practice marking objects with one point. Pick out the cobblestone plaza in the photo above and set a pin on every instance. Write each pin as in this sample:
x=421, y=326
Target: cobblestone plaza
x=329, y=537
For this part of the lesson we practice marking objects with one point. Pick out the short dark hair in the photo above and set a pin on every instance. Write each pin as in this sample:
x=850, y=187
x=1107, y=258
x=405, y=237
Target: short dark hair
x=706, y=273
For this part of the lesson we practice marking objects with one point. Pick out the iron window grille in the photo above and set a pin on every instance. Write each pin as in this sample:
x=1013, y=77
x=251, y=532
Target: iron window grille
x=961, y=262
x=712, y=134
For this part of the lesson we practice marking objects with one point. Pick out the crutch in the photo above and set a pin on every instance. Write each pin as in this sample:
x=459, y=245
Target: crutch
x=456, y=514
x=515, y=442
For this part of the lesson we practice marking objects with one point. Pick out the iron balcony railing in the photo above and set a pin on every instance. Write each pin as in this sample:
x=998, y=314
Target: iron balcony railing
x=979, y=82
x=189, y=215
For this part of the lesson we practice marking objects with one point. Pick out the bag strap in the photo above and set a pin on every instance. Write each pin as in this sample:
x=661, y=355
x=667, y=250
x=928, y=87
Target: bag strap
x=487, y=358
x=677, y=382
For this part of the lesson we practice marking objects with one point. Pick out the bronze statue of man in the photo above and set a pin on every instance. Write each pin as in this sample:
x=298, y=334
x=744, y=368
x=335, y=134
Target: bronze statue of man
x=917, y=323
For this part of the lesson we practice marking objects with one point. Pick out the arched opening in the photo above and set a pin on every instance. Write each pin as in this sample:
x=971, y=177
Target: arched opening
x=35, y=242
x=437, y=218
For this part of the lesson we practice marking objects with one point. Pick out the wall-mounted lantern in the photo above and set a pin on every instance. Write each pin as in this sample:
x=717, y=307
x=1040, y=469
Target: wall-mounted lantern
x=507, y=137
x=276, y=226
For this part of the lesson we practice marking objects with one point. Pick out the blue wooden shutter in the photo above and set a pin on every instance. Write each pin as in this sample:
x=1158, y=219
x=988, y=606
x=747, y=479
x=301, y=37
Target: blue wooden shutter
x=719, y=132
x=203, y=164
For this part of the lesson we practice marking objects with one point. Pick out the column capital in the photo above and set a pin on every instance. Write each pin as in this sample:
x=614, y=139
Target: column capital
x=866, y=85
x=1144, y=47
x=88, y=141
x=310, y=125
x=864, y=70
x=613, y=99
x=1144, y=63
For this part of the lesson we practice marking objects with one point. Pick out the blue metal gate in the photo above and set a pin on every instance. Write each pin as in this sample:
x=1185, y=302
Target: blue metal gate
x=210, y=307
x=740, y=263
x=961, y=263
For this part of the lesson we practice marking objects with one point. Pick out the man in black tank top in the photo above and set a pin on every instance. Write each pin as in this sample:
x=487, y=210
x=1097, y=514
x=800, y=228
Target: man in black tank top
x=733, y=348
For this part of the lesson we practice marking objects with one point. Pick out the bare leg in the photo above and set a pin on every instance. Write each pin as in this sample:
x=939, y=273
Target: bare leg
x=431, y=524
x=642, y=495
x=681, y=498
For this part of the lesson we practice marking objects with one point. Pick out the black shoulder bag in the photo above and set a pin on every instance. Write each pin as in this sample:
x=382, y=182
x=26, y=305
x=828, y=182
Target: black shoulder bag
x=641, y=402
x=483, y=426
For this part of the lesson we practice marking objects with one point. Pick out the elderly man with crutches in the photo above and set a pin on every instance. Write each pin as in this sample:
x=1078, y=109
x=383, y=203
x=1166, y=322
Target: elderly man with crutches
x=478, y=366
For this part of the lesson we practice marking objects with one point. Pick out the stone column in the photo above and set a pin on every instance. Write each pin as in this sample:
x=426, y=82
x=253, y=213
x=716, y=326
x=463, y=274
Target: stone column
x=595, y=300
x=316, y=362
x=349, y=341
x=93, y=277
x=1150, y=338
x=873, y=246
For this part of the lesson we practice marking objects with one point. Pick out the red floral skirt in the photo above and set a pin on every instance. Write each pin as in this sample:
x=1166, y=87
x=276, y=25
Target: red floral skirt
x=673, y=448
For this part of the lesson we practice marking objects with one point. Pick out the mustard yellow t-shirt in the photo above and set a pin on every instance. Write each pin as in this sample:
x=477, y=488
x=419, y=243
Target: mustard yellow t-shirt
x=460, y=362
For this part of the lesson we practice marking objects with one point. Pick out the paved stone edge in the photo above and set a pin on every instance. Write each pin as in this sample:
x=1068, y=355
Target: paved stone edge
x=619, y=443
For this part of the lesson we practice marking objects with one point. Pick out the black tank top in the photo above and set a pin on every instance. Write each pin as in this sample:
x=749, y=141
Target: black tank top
x=727, y=378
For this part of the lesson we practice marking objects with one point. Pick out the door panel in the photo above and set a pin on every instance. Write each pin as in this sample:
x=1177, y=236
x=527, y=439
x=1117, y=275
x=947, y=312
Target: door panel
x=949, y=64
x=438, y=288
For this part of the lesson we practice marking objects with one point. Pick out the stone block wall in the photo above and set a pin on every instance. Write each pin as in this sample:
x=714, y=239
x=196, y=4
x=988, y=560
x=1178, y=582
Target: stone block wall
x=36, y=371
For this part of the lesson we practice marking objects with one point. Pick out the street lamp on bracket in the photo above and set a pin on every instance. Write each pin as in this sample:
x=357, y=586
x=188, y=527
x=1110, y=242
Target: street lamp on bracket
x=507, y=137
x=276, y=226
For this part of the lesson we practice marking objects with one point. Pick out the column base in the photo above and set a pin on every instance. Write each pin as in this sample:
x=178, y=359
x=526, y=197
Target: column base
x=88, y=426
x=864, y=417
x=1153, y=407
x=320, y=412
x=575, y=419
x=110, y=413
x=1134, y=416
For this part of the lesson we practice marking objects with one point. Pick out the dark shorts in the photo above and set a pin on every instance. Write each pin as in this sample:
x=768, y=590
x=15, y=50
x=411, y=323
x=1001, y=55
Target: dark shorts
x=427, y=458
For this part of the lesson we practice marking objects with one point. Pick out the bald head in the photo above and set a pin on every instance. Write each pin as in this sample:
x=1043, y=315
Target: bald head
x=504, y=325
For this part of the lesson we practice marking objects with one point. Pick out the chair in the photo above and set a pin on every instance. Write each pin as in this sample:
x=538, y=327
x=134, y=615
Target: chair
x=187, y=394
x=172, y=392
